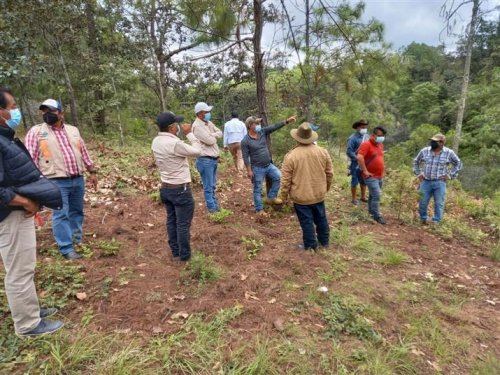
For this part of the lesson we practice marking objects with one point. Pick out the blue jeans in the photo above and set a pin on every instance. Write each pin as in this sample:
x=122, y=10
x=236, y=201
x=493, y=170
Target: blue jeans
x=208, y=172
x=179, y=204
x=428, y=189
x=314, y=224
x=68, y=221
x=375, y=191
x=259, y=175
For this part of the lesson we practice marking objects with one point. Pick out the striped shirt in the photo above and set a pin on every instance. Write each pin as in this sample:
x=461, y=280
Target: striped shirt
x=66, y=150
x=436, y=167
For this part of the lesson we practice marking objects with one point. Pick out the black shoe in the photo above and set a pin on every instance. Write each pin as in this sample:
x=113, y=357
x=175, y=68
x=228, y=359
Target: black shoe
x=45, y=313
x=45, y=326
x=72, y=255
x=380, y=220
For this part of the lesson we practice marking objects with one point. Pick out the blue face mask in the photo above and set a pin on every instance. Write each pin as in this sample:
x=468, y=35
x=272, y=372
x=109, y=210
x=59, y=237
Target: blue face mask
x=15, y=118
x=208, y=117
x=380, y=139
x=258, y=128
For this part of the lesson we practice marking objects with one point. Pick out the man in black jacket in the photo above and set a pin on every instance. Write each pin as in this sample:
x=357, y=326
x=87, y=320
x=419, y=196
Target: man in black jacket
x=17, y=228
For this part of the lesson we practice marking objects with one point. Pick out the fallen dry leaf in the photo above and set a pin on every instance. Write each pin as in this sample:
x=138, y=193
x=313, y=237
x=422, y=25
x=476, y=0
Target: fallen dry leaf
x=435, y=366
x=243, y=277
x=272, y=300
x=251, y=295
x=279, y=324
x=157, y=330
x=180, y=314
x=81, y=296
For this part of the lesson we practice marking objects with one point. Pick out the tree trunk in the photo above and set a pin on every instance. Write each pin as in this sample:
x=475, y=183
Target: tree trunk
x=69, y=88
x=465, y=82
x=308, y=99
x=260, y=79
x=100, y=116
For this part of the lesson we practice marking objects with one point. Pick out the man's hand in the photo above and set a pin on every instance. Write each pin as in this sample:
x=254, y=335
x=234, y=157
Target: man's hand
x=93, y=180
x=30, y=207
x=249, y=173
x=445, y=178
x=186, y=128
x=291, y=120
x=421, y=177
x=366, y=174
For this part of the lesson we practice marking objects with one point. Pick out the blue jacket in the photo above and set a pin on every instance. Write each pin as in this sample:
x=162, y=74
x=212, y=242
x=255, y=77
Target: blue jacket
x=16, y=169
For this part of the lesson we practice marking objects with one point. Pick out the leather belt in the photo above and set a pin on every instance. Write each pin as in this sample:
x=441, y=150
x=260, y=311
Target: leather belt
x=209, y=157
x=66, y=178
x=164, y=185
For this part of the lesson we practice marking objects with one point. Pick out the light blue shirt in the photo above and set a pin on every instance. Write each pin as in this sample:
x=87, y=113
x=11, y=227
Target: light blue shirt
x=234, y=131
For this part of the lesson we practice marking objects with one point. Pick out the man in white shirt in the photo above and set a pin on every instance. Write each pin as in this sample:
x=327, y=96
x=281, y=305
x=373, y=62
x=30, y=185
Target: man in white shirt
x=171, y=155
x=234, y=131
x=207, y=133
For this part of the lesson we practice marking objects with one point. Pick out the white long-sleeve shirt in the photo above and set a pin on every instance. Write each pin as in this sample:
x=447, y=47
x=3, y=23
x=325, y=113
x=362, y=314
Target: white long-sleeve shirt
x=207, y=133
x=234, y=131
x=171, y=155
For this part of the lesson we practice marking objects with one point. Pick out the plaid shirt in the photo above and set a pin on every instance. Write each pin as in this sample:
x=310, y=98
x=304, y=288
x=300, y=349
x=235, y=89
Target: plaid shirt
x=65, y=146
x=437, y=166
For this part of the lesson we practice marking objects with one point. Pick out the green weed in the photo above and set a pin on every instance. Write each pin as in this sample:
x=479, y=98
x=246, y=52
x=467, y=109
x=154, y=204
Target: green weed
x=220, y=216
x=252, y=246
x=201, y=269
x=110, y=248
x=488, y=366
x=345, y=316
x=155, y=196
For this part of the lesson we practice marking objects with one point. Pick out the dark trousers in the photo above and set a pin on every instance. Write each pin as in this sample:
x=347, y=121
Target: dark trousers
x=180, y=209
x=314, y=224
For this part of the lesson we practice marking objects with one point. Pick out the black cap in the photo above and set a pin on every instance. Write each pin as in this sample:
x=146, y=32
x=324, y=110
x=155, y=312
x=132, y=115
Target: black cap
x=165, y=119
x=234, y=114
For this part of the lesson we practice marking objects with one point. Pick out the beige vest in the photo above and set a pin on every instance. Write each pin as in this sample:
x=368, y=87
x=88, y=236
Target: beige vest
x=50, y=157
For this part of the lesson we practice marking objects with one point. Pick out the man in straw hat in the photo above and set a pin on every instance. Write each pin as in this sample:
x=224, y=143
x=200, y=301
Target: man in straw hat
x=432, y=166
x=307, y=173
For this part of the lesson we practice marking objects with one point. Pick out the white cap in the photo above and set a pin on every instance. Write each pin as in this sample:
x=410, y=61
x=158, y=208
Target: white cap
x=51, y=104
x=202, y=106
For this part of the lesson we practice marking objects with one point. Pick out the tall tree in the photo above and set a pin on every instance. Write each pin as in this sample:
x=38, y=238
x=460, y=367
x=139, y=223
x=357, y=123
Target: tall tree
x=449, y=13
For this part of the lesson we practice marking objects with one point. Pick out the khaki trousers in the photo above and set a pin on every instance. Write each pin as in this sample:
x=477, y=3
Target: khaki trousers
x=235, y=149
x=18, y=251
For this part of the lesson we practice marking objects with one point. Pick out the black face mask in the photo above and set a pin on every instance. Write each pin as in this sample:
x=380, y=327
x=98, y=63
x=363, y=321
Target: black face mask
x=50, y=118
x=434, y=145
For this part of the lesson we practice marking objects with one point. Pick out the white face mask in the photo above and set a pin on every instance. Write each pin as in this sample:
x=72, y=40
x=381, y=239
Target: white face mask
x=363, y=131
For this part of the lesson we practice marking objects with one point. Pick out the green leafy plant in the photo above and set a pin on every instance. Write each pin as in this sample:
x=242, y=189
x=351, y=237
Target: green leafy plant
x=110, y=248
x=220, y=216
x=252, y=246
x=344, y=316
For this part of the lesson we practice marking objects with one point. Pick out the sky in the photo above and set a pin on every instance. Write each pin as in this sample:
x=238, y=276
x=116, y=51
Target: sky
x=407, y=21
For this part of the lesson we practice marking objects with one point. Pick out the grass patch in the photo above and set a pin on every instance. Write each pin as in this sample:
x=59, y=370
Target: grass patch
x=201, y=269
x=427, y=331
x=488, y=366
x=495, y=253
x=391, y=257
x=220, y=216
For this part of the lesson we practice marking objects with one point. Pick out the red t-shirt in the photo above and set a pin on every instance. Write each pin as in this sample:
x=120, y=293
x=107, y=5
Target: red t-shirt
x=374, y=157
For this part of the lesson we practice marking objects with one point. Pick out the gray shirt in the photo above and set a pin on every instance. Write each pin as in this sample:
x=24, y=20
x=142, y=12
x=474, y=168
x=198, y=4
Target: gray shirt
x=255, y=151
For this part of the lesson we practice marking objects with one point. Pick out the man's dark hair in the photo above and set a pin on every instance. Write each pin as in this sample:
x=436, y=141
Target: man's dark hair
x=379, y=128
x=234, y=114
x=3, y=97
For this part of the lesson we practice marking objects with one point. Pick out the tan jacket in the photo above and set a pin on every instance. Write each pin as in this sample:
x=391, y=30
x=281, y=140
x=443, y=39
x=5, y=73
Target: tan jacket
x=207, y=133
x=50, y=159
x=307, y=173
x=171, y=155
